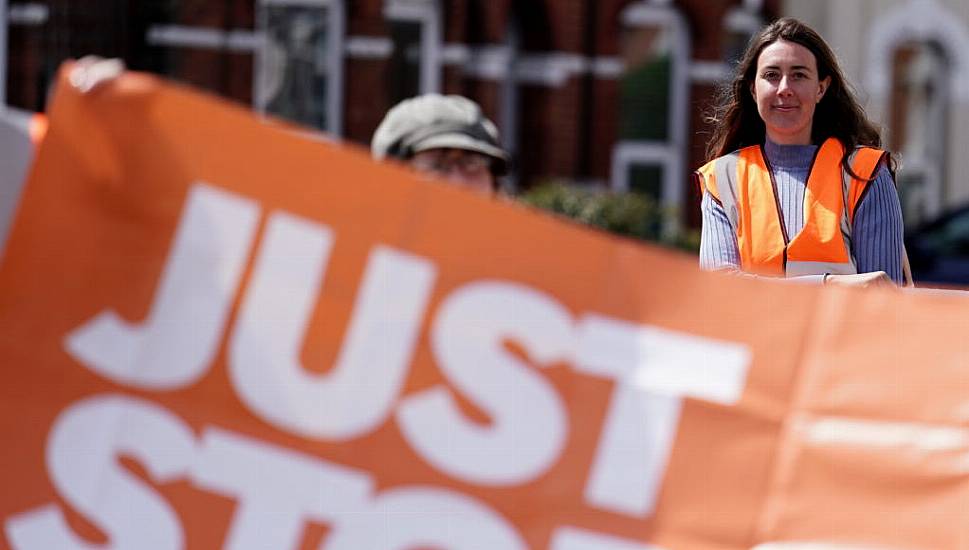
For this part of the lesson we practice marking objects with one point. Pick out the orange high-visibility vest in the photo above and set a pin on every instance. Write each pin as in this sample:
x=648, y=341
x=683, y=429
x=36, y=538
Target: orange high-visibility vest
x=743, y=184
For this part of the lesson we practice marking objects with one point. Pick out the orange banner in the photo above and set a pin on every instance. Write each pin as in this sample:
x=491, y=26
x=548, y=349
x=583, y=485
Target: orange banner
x=218, y=333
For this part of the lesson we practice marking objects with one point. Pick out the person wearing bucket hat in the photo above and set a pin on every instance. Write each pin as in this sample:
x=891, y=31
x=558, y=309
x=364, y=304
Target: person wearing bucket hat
x=446, y=135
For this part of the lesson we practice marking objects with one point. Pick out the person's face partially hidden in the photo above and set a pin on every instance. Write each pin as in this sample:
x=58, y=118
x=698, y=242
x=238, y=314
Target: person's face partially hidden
x=467, y=168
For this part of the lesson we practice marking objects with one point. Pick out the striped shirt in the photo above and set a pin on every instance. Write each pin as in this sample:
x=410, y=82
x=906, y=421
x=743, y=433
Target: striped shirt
x=876, y=240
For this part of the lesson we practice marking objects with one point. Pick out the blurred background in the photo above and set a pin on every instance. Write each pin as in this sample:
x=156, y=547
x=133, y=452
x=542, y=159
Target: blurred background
x=601, y=102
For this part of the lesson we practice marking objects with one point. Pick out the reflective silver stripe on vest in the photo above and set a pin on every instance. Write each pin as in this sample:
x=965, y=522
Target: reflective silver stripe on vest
x=796, y=269
x=725, y=171
x=846, y=220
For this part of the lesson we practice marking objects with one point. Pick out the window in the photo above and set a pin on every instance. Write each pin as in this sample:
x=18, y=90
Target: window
x=920, y=102
x=415, y=30
x=739, y=25
x=649, y=154
x=299, y=64
x=644, y=87
x=917, y=75
x=405, y=64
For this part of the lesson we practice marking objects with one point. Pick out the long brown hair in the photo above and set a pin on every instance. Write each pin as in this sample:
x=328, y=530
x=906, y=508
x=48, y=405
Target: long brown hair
x=737, y=123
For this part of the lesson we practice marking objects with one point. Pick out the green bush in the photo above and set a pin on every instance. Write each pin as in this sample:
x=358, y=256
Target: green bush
x=628, y=214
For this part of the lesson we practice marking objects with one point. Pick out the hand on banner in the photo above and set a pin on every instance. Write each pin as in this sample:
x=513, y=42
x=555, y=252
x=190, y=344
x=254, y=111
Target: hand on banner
x=864, y=280
x=92, y=72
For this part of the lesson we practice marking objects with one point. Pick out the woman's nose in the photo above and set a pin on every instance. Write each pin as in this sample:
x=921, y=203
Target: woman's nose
x=784, y=86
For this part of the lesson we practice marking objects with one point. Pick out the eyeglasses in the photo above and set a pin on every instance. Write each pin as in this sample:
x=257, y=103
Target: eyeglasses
x=466, y=162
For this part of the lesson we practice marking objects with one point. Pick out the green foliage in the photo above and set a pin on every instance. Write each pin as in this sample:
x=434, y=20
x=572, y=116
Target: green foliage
x=629, y=214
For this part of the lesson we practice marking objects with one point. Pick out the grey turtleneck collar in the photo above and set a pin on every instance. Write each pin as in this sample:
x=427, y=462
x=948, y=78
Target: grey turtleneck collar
x=796, y=157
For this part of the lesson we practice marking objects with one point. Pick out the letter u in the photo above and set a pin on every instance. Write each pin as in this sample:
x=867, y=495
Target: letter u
x=357, y=394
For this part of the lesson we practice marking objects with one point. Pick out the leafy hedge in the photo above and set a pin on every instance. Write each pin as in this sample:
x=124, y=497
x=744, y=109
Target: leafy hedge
x=628, y=214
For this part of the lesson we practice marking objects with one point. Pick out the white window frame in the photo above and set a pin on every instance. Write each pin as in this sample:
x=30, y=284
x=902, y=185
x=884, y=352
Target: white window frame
x=17, y=13
x=3, y=52
x=743, y=19
x=925, y=21
x=929, y=198
x=753, y=6
x=511, y=96
x=335, y=36
x=670, y=154
x=428, y=14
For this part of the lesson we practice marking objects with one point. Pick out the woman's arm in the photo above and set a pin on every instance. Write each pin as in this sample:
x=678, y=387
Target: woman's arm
x=719, y=252
x=718, y=242
x=877, y=235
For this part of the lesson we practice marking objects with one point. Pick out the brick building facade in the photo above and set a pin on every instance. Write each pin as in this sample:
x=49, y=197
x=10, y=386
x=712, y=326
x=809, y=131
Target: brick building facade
x=601, y=92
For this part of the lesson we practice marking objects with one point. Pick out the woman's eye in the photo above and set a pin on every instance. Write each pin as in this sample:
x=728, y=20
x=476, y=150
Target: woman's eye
x=770, y=75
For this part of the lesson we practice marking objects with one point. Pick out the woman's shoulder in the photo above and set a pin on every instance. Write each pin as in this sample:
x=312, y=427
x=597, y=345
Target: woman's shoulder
x=872, y=163
x=733, y=154
x=871, y=157
x=860, y=148
x=740, y=150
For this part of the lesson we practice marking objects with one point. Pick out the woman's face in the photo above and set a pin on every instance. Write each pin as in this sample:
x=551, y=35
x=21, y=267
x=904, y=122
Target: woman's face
x=786, y=89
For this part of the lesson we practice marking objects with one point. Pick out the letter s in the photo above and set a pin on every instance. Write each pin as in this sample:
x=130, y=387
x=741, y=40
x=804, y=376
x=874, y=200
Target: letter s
x=529, y=423
x=81, y=459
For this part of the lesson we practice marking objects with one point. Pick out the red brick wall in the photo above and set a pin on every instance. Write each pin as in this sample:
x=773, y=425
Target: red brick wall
x=564, y=131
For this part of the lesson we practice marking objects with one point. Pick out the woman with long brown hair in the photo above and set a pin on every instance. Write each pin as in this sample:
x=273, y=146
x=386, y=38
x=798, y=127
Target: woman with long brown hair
x=797, y=185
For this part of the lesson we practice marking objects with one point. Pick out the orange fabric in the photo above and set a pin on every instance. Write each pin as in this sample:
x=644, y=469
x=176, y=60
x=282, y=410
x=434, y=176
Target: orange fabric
x=760, y=235
x=820, y=240
x=809, y=438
